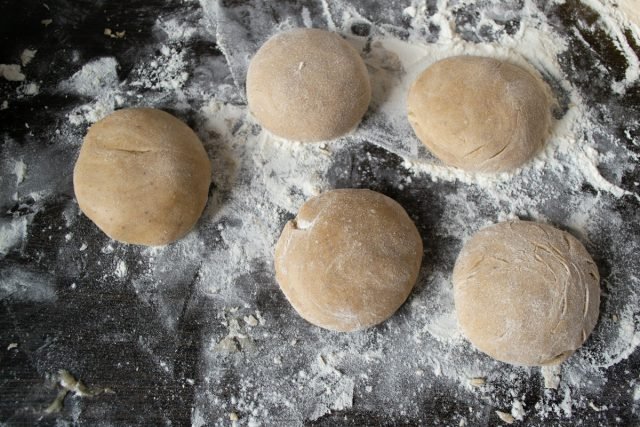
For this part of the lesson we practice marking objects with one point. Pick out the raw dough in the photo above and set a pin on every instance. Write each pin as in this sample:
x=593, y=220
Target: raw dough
x=308, y=85
x=480, y=114
x=142, y=176
x=526, y=293
x=349, y=259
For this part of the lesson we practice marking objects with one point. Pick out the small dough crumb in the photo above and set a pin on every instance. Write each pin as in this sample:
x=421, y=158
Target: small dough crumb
x=506, y=417
x=114, y=34
x=27, y=56
x=477, y=381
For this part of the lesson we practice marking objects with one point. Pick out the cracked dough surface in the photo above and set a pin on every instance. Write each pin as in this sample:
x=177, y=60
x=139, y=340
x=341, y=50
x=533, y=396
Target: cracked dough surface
x=349, y=259
x=308, y=85
x=480, y=114
x=526, y=293
x=142, y=176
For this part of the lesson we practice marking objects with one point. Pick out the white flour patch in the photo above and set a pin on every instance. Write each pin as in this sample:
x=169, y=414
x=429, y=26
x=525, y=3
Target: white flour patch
x=28, y=89
x=268, y=176
x=12, y=233
x=93, y=79
x=175, y=29
x=166, y=71
x=20, y=171
x=26, y=286
x=97, y=79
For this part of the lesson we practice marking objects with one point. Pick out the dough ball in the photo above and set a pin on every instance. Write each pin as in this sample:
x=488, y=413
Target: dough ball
x=308, y=85
x=480, y=114
x=142, y=176
x=349, y=259
x=526, y=293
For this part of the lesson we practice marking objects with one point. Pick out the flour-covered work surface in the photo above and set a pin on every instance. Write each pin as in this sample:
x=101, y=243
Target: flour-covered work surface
x=97, y=332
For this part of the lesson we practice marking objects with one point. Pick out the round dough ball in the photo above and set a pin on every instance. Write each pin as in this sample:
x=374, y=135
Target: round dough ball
x=526, y=293
x=349, y=259
x=480, y=114
x=308, y=85
x=142, y=176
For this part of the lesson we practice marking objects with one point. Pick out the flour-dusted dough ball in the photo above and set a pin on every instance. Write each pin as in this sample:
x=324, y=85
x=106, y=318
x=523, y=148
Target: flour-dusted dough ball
x=308, y=85
x=349, y=259
x=142, y=176
x=480, y=114
x=526, y=293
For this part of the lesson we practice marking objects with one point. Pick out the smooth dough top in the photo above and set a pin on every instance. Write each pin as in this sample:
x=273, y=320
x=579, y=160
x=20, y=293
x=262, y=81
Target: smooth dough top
x=480, y=114
x=526, y=293
x=142, y=176
x=308, y=85
x=349, y=259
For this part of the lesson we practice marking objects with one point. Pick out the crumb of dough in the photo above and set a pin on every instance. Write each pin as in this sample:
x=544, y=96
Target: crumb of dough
x=27, y=56
x=56, y=405
x=11, y=72
x=477, y=381
x=114, y=34
x=506, y=417
x=70, y=383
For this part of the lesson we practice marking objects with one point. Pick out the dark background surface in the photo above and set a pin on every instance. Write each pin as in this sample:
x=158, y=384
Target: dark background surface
x=89, y=330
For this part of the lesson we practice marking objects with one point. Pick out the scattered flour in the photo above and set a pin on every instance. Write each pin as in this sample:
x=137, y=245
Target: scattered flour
x=333, y=390
x=615, y=16
x=97, y=79
x=12, y=233
x=165, y=71
x=28, y=89
x=175, y=29
x=517, y=410
x=26, y=286
x=93, y=79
